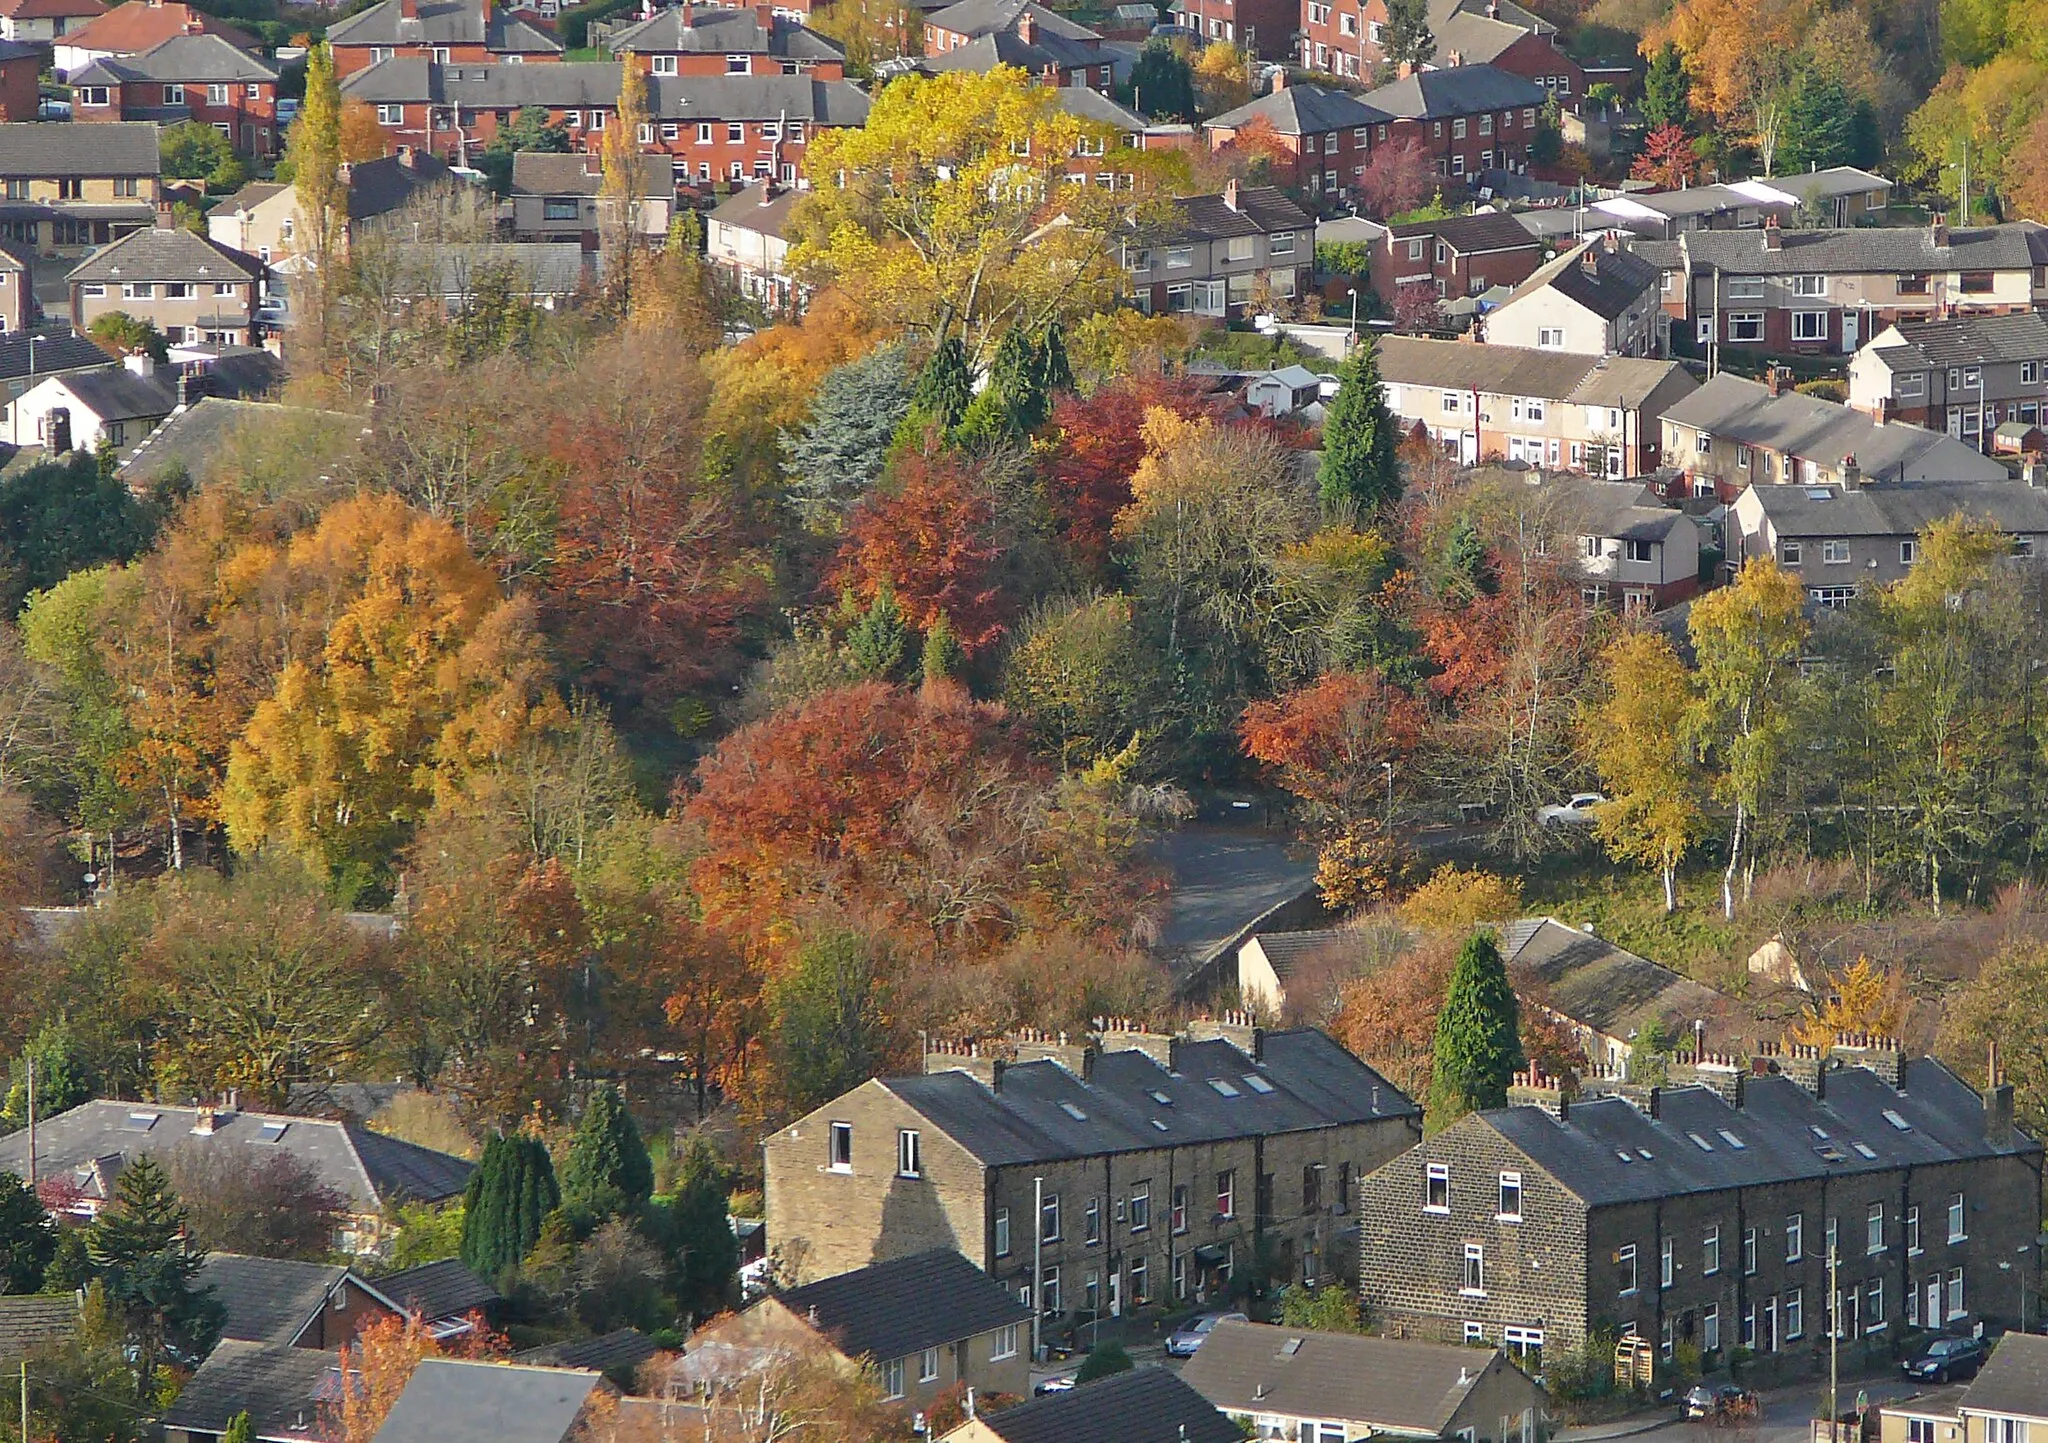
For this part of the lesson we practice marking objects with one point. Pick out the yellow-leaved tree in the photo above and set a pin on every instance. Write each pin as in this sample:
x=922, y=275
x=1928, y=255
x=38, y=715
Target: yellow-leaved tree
x=1636, y=737
x=951, y=210
x=424, y=676
x=1862, y=997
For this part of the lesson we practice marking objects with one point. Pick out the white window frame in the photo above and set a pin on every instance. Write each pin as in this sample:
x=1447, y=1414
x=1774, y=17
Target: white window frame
x=1510, y=1191
x=909, y=1153
x=839, y=1147
x=663, y=65
x=1625, y=1257
x=1809, y=325
x=1435, y=1173
x=1958, y=1226
x=1003, y=1344
x=1472, y=1272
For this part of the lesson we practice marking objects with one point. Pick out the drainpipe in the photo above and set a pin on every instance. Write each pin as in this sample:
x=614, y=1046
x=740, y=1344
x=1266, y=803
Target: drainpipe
x=1037, y=1273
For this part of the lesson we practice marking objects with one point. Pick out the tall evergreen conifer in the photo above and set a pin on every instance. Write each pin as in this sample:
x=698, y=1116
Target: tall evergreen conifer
x=1360, y=473
x=1478, y=1035
x=607, y=1171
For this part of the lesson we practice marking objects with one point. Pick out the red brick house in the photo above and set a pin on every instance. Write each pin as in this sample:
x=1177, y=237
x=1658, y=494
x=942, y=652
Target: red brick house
x=189, y=77
x=1264, y=27
x=41, y=22
x=1342, y=37
x=1467, y=118
x=1460, y=255
x=715, y=127
x=137, y=26
x=20, y=66
x=1326, y=134
x=1502, y=34
x=688, y=39
x=445, y=31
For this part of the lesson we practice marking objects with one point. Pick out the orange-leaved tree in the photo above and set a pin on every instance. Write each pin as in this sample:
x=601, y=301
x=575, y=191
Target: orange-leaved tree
x=1337, y=744
x=927, y=534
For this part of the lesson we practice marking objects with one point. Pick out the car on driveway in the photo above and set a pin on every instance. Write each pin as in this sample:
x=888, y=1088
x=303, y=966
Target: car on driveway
x=1184, y=1340
x=1945, y=1360
x=1578, y=812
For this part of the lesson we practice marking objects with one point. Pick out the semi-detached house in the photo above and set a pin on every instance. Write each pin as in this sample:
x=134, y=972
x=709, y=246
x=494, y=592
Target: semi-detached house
x=187, y=78
x=1706, y=1215
x=1596, y=299
x=1221, y=252
x=1966, y=376
x=689, y=39
x=444, y=31
x=1459, y=255
x=1127, y=1168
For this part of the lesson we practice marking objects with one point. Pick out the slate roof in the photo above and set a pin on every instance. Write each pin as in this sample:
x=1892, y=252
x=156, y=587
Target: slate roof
x=193, y=59
x=1486, y=230
x=34, y=1320
x=1303, y=110
x=1605, y=282
x=894, y=1309
x=1594, y=982
x=1288, y=952
x=1006, y=47
x=1584, y=1152
x=251, y=195
x=1475, y=39
x=115, y=394
x=985, y=17
x=378, y=187
x=1625, y=510
x=1308, y=1082
x=269, y=1300
x=445, y=22
x=1144, y=1405
x=744, y=209
x=537, y=172
x=112, y=148
x=1901, y=508
x=1861, y=250
x=2013, y=1381
x=446, y=1289
x=537, y=268
x=281, y=1389
x=1964, y=341
x=54, y=352
x=1584, y=380
x=414, y=80
x=1094, y=105
x=721, y=32
x=366, y=1167
x=453, y=1401
x=165, y=253
x=137, y=25
x=1394, y=1385
x=1260, y=210
x=1825, y=432
x=20, y=50
x=1460, y=90
x=625, y=1348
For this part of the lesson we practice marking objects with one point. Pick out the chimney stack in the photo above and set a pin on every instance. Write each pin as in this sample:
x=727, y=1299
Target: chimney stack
x=1239, y=1029
x=1027, y=26
x=1774, y=238
x=408, y=9
x=1230, y=193
x=1852, y=473
x=203, y=1122
x=1778, y=380
x=1940, y=229
x=1998, y=1119
x=2034, y=471
x=57, y=430
x=764, y=16
x=1280, y=79
x=968, y=1057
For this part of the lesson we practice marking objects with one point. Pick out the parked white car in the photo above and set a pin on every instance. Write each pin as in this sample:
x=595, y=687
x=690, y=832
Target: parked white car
x=1578, y=812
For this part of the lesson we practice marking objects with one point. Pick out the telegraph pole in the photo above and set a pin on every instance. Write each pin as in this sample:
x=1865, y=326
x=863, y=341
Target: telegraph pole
x=1037, y=1254
x=31, y=1061
x=1834, y=1348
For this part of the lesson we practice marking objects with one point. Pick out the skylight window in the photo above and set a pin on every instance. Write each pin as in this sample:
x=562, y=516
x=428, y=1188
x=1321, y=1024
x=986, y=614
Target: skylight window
x=1831, y=1153
x=1819, y=493
x=1074, y=1112
x=1623, y=1156
x=1224, y=1086
x=1257, y=1083
x=1699, y=1142
x=1158, y=1124
x=1648, y=1156
x=1892, y=1117
x=140, y=1121
x=1819, y=1132
x=1161, y=1098
x=1731, y=1139
x=1289, y=1348
x=1864, y=1149
x=272, y=1131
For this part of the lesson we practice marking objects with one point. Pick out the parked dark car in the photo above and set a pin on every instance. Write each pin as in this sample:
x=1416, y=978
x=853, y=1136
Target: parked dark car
x=1947, y=1360
x=1184, y=1340
x=1726, y=1402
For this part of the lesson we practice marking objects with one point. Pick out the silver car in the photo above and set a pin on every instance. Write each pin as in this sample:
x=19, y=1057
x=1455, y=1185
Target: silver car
x=1184, y=1340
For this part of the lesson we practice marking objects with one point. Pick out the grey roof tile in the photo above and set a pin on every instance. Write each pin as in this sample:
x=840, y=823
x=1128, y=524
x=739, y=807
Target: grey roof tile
x=368, y=1168
x=452, y=1401
x=894, y=1309
x=445, y=1289
x=1861, y=250
x=1967, y=340
x=414, y=80
x=1006, y=47
x=268, y=1300
x=1260, y=210
x=1583, y=1152
x=1522, y=371
x=758, y=207
x=1303, y=110
x=1588, y=978
x=116, y=148
x=445, y=22
x=720, y=32
x=378, y=187
x=165, y=253
x=2014, y=1379
x=1475, y=234
x=193, y=59
x=1460, y=90
x=1903, y=508
x=1092, y=104
x=1043, y=1112
x=622, y=1348
x=1825, y=432
x=281, y=1389
x=984, y=17
x=118, y=394
x=1606, y=282
x=1393, y=1385
x=52, y=352
x=34, y=1321
x=1144, y=1405
x=536, y=172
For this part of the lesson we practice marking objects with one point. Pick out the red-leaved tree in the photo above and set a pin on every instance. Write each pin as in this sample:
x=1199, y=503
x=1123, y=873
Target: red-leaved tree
x=1398, y=177
x=1329, y=743
x=1667, y=158
x=1099, y=445
x=927, y=534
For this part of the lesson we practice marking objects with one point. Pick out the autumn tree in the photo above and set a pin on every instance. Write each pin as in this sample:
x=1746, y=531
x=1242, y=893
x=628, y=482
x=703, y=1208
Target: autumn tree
x=1398, y=177
x=1081, y=678
x=1098, y=441
x=1389, y=1015
x=1457, y=899
x=1667, y=159
x=374, y=1368
x=1636, y=737
x=276, y=1208
x=1748, y=638
x=1339, y=745
x=423, y=676
x=362, y=136
x=934, y=213
x=927, y=535
x=623, y=180
x=2002, y=1006
x=1222, y=77
x=1740, y=56
x=1864, y=997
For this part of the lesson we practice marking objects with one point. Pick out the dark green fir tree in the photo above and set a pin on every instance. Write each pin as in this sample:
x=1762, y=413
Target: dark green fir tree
x=1360, y=473
x=1478, y=1035
x=607, y=1172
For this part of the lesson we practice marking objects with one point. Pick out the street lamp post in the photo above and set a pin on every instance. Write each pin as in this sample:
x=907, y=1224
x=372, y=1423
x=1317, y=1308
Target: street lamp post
x=1353, y=293
x=1388, y=768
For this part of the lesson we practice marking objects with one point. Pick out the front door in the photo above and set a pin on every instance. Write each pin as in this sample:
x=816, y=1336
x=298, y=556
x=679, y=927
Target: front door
x=1848, y=332
x=1116, y=1292
x=1932, y=1319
